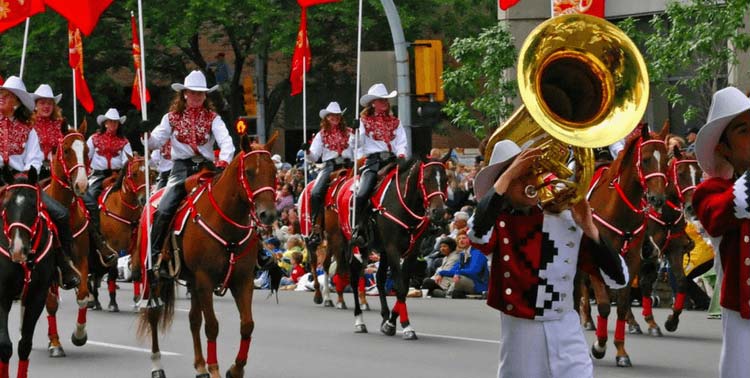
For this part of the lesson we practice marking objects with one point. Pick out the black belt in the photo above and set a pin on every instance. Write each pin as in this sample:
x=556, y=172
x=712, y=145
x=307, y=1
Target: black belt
x=384, y=155
x=101, y=172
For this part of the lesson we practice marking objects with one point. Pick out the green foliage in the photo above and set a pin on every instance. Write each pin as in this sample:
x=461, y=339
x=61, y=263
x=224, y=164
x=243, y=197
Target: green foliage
x=478, y=89
x=687, y=51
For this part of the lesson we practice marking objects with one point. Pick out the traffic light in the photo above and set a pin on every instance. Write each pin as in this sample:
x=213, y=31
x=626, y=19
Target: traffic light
x=428, y=69
x=249, y=97
x=429, y=113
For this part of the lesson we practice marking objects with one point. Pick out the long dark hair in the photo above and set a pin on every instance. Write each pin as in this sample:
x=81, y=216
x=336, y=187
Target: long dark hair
x=103, y=128
x=325, y=125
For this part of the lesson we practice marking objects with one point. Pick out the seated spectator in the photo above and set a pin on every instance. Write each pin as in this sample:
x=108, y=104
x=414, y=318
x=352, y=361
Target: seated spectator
x=284, y=198
x=459, y=224
x=293, y=244
x=437, y=286
x=290, y=283
x=470, y=274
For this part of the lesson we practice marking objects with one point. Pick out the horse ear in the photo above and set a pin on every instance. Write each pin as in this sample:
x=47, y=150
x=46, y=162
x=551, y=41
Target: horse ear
x=269, y=144
x=645, y=133
x=83, y=126
x=245, y=143
x=664, y=130
x=676, y=152
x=32, y=176
x=447, y=156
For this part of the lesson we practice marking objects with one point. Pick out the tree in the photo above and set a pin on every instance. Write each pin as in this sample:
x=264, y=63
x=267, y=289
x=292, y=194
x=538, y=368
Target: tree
x=479, y=91
x=688, y=49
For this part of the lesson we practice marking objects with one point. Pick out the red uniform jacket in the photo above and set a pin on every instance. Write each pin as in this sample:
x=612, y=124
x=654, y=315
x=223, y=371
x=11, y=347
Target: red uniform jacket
x=722, y=208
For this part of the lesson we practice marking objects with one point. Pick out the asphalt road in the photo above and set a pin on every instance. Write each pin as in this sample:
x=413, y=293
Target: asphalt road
x=295, y=338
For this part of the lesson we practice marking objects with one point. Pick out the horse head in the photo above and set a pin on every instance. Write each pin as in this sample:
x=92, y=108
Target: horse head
x=434, y=186
x=133, y=178
x=71, y=162
x=641, y=167
x=257, y=175
x=22, y=205
x=685, y=174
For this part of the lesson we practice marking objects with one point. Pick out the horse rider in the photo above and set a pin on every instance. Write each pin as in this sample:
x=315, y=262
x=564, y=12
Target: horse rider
x=49, y=124
x=381, y=139
x=334, y=144
x=20, y=150
x=192, y=126
x=109, y=150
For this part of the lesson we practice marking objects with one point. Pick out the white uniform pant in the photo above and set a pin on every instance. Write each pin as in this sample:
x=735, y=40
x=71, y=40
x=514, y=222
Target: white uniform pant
x=735, y=346
x=543, y=349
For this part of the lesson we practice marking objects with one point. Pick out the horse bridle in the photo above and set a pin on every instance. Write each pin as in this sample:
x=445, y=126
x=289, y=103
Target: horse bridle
x=128, y=183
x=33, y=230
x=68, y=171
x=675, y=179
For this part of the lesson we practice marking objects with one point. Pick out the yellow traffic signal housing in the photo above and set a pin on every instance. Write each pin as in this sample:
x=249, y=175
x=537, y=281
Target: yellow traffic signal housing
x=249, y=97
x=428, y=69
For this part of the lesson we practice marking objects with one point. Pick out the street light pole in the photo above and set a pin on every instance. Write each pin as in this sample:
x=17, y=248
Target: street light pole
x=402, y=69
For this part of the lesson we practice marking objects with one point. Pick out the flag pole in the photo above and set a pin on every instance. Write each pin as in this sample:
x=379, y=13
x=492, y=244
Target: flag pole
x=353, y=215
x=75, y=108
x=148, y=197
x=23, y=50
x=142, y=79
x=304, y=111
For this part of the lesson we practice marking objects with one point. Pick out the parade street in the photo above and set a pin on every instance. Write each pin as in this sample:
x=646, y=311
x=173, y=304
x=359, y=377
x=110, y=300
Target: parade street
x=295, y=338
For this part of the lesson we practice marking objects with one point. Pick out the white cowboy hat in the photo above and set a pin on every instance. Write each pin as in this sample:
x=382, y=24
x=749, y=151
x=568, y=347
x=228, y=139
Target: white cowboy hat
x=195, y=81
x=502, y=155
x=332, y=108
x=45, y=91
x=375, y=92
x=726, y=104
x=277, y=161
x=15, y=85
x=113, y=115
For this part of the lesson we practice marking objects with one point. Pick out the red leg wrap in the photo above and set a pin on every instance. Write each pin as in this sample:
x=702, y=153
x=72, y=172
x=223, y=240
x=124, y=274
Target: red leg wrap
x=620, y=330
x=647, y=310
x=52, y=325
x=137, y=289
x=361, y=284
x=679, y=301
x=211, y=349
x=340, y=282
x=82, y=315
x=111, y=286
x=402, y=312
x=601, y=327
x=4, y=371
x=23, y=369
x=244, y=349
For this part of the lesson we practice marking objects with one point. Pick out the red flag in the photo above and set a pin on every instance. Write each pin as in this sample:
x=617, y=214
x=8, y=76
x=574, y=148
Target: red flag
x=75, y=59
x=505, y=4
x=135, y=97
x=301, y=49
x=13, y=12
x=307, y=3
x=591, y=7
x=82, y=13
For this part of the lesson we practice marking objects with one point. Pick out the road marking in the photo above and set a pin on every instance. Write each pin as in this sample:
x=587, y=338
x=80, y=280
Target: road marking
x=457, y=338
x=130, y=348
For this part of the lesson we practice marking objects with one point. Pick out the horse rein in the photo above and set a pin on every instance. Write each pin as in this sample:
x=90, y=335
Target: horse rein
x=673, y=173
x=33, y=230
x=66, y=183
x=129, y=186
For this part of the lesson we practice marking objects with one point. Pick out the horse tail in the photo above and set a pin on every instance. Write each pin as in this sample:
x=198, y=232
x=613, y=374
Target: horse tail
x=160, y=316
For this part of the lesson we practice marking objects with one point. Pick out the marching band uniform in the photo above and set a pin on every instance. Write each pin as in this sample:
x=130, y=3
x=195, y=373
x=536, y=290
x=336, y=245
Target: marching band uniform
x=381, y=138
x=20, y=150
x=108, y=151
x=534, y=260
x=333, y=145
x=721, y=204
x=192, y=132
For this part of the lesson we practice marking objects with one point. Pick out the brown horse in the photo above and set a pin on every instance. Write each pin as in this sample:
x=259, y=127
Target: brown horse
x=120, y=206
x=619, y=209
x=336, y=243
x=409, y=199
x=667, y=233
x=68, y=183
x=217, y=249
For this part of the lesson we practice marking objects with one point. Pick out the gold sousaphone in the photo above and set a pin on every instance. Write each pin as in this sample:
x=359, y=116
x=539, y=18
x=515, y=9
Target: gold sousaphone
x=584, y=84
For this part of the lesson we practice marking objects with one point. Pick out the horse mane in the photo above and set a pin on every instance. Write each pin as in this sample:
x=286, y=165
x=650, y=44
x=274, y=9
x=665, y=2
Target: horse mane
x=405, y=165
x=120, y=178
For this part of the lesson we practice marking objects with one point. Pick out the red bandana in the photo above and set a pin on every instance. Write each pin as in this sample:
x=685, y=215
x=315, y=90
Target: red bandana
x=193, y=126
x=50, y=134
x=381, y=127
x=108, y=145
x=13, y=137
x=336, y=139
x=166, y=150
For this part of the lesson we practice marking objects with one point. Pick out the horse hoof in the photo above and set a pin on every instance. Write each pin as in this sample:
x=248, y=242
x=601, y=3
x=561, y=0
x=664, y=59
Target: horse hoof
x=158, y=374
x=655, y=331
x=94, y=305
x=635, y=329
x=113, y=307
x=79, y=342
x=596, y=352
x=317, y=299
x=365, y=307
x=388, y=329
x=623, y=361
x=360, y=328
x=341, y=306
x=671, y=323
x=56, y=351
x=328, y=303
x=589, y=326
x=410, y=335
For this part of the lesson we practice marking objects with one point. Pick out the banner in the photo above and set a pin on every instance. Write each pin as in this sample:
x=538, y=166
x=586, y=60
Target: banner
x=13, y=12
x=82, y=13
x=590, y=7
x=135, y=96
x=505, y=4
x=75, y=59
x=301, y=50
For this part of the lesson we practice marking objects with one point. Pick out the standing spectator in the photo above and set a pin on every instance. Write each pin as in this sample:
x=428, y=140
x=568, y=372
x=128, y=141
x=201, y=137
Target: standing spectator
x=221, y=70
x=534, y=259
x=722, y=149
x=692, y=133
x=437, y=286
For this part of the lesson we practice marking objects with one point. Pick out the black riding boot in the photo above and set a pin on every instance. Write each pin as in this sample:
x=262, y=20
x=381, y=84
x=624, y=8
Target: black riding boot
x=109, y=257
x=70, y=276
x=159, y=232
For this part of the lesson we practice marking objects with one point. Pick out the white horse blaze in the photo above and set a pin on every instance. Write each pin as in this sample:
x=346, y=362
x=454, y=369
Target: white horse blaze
x=80, y=178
